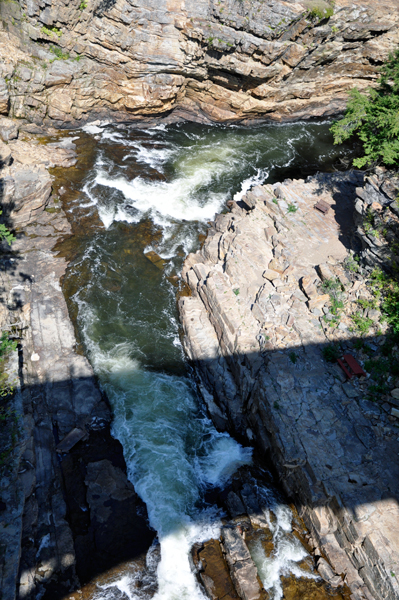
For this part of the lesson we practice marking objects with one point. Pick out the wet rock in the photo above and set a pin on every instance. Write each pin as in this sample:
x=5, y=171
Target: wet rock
x=242, y=568
x=214, y=573
x=234, y=505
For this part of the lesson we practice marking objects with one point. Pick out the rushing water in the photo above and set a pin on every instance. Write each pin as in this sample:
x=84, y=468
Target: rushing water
x=155, y=190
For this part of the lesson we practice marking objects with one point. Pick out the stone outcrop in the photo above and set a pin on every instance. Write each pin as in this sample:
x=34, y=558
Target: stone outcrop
x=68, y=509
x=232, y=567
x=210, y=60
x=256, y=323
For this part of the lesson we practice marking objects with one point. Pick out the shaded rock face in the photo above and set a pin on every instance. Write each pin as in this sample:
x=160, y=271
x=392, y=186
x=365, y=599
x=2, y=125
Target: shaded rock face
x=255, y=326
x=68, y=509
x=213, y=61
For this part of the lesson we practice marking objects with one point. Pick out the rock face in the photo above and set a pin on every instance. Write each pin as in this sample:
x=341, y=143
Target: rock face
x=213, y=61
x=68, y=510
x=255, y=326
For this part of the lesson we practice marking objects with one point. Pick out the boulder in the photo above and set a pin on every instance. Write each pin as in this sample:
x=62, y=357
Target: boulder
x=8, y=129
x=5, y=155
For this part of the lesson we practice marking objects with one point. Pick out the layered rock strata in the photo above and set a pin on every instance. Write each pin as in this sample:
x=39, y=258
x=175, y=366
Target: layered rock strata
x=255, y=326
x=68, y=510
x=210, y=60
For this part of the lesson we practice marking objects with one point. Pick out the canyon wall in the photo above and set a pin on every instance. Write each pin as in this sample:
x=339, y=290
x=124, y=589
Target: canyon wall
x=259, y=326
x=209, y=60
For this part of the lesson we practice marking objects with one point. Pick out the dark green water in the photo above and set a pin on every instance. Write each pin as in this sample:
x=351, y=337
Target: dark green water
x=154, y=191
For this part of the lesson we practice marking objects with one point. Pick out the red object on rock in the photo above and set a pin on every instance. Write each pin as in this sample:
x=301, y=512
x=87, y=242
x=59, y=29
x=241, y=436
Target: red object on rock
x=350, y=366
x=322, y=207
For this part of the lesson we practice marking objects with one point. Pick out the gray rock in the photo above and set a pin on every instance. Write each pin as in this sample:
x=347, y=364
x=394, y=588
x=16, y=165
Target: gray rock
x=350, y=391
x=242, y=568
x=5, y=156
x=8, y=129
x=325, y=570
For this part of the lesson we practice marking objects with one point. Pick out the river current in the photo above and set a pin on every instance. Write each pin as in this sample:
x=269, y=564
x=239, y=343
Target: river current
x=139, y=209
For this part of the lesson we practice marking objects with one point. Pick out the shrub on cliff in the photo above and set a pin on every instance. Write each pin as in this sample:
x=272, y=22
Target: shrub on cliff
x=374, y=117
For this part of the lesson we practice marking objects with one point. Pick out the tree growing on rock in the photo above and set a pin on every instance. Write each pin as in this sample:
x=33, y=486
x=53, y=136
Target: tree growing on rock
x=374, y=117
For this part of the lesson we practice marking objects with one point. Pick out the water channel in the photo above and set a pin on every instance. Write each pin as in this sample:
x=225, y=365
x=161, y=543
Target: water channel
x=139, y=201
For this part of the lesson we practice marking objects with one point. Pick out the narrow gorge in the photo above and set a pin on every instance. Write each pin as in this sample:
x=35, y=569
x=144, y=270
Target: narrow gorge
x=176, y=431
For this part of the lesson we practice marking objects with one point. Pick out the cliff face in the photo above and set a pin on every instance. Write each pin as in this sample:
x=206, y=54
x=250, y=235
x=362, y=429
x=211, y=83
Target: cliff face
x=213, y=60
x=257, y=326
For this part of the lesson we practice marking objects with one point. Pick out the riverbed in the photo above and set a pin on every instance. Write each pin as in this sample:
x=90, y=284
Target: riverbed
x=138, y=202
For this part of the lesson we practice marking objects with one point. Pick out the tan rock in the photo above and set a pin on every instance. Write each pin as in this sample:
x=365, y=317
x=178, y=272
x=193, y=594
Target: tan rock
x=271, y=275
x=325, y=272
x=5, y=154
x=318, y=301
x=277, y=266
x=4, y=97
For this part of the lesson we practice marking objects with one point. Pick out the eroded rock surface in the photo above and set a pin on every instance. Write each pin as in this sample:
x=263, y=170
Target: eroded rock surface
x=206, y=59
x=255, y=325
x=68, y=510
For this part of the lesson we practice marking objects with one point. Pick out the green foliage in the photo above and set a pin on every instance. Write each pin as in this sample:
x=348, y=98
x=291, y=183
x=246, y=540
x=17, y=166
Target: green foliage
x=331, y=286
x=352, y=263
x=382, y=367
x=362, y=324
x=374, y=117
x=318, y=14
x=6, y=345
x=5, y=234
x=82, y=5
x=236, y=291
x=50, y=31
x=331, y=353
x=60, y=55
x=293, y=357
x=388, y=288
x=292, y=208
x=336, y=306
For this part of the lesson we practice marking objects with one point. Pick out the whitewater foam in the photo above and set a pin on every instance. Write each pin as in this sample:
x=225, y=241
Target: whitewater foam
x=156, y=419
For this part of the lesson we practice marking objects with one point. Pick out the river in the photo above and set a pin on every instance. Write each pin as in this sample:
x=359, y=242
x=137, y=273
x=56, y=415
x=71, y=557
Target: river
x=141, y=205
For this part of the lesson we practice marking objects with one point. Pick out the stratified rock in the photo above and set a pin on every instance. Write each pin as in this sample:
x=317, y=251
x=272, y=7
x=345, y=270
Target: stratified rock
x=214, y=573
x=242, y=568
x=209, y=61
x=257, y=348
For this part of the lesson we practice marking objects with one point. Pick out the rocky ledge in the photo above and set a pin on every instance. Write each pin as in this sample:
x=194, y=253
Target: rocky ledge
x=218, y=61
x=68, y=511
x=259, y=319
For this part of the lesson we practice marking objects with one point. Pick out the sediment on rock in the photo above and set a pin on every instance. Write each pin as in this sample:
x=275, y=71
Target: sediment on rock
x=255, y=327
x=68, y=509
x=209, y=61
